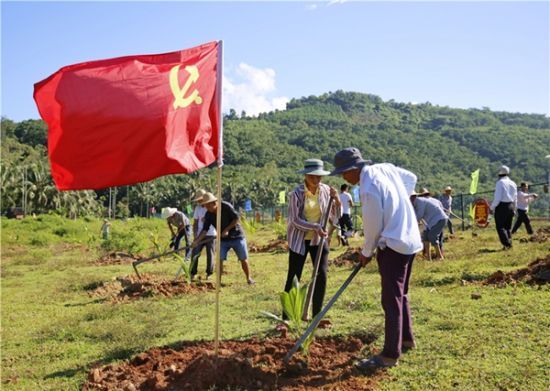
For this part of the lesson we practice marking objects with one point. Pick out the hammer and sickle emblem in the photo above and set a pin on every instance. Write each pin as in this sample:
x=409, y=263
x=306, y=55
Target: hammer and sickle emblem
x=180, y=100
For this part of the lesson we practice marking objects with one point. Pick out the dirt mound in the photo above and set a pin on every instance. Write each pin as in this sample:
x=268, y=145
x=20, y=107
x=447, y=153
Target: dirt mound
x=250, y=365
x=537, y=272
x=350, y=257
x=115, y=258
x=133, y=288
x=541, y=236
x=277, y=245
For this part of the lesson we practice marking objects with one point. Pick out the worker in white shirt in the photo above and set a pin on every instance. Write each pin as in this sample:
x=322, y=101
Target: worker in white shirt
x=524, y=198
x=391, y=231
x=504, y=206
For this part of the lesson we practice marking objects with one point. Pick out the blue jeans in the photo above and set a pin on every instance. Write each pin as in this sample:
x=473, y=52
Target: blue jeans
x=238, y=245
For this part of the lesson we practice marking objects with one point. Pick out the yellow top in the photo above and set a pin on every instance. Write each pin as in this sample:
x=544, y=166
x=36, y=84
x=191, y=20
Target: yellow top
x=312, y=210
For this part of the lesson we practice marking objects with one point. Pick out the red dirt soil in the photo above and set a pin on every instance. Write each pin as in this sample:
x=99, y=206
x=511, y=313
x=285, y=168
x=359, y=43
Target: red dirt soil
x=115, y=258
x=541, y=236
x=133, y=288
x=250, y=365
x=350, y=257
x=537, y=272
x=276, y=245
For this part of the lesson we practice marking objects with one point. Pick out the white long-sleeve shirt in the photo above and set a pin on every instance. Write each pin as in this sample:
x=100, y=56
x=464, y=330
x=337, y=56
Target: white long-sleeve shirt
x=505, y=191
x=524, y=199
x=388, y=215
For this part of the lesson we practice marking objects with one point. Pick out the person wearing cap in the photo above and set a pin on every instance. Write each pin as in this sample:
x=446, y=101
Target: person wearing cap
x=180, y=227
x=307, y=203
x=447, y=202
x=209, y=243
x=232, y=235
x=504, y=206
x=431, y=211
x=523, y=200
x=391, y=234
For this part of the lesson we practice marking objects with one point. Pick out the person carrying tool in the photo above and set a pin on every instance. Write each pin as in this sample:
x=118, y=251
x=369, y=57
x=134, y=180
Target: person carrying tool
x=524, y=198
x=431, y=211
x=306, y=205
x=504, y=206
x=232, y=234
x=180, y=227
x=198, y=223
x=391, y=232
x=447, y=202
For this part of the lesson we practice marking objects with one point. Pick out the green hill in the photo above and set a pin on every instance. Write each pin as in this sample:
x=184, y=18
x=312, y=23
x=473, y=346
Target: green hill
x=441, y=145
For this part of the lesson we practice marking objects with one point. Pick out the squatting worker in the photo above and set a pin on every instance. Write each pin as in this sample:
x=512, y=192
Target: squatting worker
x=391, y=230
x=180, y=227
x=209, y=243
x=307, y=203
x=232, y=234
x=432, y=213
x=504, y=206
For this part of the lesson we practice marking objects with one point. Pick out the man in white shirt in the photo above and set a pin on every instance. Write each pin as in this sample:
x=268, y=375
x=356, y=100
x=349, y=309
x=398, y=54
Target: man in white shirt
x=524, y=198
x=391, y=231
x=346, y=226
x=504, y=206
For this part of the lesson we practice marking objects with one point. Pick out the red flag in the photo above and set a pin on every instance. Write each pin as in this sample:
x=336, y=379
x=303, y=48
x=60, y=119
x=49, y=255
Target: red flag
x=131, y=119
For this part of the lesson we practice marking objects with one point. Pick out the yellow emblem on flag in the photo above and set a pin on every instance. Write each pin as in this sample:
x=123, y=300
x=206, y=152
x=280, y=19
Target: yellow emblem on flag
x=180, y=100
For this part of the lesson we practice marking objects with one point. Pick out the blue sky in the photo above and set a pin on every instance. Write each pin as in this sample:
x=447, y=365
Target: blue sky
x=457, y=54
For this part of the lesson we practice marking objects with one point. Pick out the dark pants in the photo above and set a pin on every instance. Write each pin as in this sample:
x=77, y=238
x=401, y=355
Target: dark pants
x=504, y=214
x=450, y=226
x=186, y=232
x=295, y=267
x=345, y=223
x=210, y=246
x=395, y=271
x=523, y=218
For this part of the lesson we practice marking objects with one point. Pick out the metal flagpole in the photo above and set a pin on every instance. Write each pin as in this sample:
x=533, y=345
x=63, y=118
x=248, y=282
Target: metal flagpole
x=219, y=77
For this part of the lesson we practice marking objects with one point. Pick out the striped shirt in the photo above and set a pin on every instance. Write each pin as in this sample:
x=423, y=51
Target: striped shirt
x=297, y=223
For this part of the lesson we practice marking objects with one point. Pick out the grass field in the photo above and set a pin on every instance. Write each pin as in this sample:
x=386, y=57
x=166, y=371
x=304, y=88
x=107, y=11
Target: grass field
x=53, y=331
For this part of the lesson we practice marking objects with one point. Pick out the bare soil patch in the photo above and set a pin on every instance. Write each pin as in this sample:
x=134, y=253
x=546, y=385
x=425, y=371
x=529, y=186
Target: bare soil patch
x=276, y=245
x=350, y=257
x=255, y=364
x=131, y=287
x=541, y=235
x=537, y=272
x=116, y=258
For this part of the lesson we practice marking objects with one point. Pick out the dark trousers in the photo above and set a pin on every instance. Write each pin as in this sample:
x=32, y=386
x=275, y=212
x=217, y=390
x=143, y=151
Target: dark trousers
x=450, y=225
x=523, y=218
x=296, y=265
x=345, y=223
x=395, y=272
x=504, y=214
x=186, y=232
x=210, y=246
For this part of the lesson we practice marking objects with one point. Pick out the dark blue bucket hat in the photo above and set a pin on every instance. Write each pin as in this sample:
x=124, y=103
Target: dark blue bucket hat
x=348, y=159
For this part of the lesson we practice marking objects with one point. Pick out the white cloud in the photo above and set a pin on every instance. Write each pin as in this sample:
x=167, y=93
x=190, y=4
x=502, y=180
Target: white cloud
x=312, y=7
x=335, y=2
x=251, y=90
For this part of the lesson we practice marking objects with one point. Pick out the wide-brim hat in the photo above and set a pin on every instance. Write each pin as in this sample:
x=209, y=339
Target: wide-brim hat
x=504, y=170
x=207, y=198
x=168, y=212
x=424, y=192
x=348, y=159
x=198, y=195
x=448, y=188
x=314, y=167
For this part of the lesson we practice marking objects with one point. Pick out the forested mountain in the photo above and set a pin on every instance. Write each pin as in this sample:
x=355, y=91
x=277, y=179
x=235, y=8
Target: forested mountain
x=441, y=145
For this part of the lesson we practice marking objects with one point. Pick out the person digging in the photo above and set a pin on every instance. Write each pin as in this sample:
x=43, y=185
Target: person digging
x=431, y=211
x=232, y=234
x=180, y=227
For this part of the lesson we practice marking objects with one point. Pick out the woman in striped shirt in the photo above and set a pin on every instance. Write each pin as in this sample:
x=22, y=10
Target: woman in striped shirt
x=307, y=203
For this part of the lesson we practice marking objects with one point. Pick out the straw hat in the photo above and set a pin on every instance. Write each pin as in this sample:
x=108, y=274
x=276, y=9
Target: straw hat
x=448, y=188
x=198, y=195
x=207, y=198
x=424, y=192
